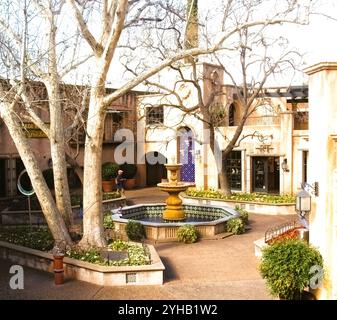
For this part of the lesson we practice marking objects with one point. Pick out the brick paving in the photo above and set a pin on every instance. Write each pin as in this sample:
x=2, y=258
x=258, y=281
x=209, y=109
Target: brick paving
x=209, y=269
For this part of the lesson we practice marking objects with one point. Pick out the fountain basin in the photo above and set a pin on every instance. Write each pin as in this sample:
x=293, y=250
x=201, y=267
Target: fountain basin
x=209, y=220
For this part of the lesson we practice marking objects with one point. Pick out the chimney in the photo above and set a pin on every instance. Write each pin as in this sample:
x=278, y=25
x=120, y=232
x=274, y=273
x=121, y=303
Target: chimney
x=191, y=35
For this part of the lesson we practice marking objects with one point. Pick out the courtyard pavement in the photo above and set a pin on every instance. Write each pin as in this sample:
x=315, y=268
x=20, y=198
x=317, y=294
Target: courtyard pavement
x=223, y=269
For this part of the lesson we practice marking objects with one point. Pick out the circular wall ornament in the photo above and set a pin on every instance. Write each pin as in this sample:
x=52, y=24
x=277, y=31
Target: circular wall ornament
x=21, y=189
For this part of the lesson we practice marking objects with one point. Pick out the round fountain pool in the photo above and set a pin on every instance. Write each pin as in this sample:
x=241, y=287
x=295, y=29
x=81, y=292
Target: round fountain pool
x=209, y=220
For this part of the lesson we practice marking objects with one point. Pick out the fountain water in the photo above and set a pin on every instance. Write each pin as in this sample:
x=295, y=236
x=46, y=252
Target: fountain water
x=174, y=209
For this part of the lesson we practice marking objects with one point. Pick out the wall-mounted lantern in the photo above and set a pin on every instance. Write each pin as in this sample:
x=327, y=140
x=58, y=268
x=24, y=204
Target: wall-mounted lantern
x=303, y=203
x=303, y=198
x=284, y=165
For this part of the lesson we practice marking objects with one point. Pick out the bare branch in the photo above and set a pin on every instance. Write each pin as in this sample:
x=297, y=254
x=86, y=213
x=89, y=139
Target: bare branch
x=88, y=36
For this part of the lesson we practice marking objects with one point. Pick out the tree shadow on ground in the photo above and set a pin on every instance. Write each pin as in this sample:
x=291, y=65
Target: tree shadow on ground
x=169, y=273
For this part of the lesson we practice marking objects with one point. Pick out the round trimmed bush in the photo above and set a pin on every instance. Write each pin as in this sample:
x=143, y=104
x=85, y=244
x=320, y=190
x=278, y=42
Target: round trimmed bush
x=109, y=171
x=289, y=266
x=236, y=226
x=187, y=234
x=129, y=170
x=135, y=230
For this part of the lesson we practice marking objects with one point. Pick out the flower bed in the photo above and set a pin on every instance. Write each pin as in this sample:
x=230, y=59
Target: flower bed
x=137, y=255
x=151, y=274
x=246, y=197
x=290, y=234
x=40, y=238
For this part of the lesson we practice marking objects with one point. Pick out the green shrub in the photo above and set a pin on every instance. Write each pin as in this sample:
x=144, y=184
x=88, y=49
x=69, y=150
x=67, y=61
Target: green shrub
x=108, y=223
x=244, y=216
x=135, y=230
x=129, y=170
x=109, y=171
x=286, y=265
x=236, y=226
x=187, y=234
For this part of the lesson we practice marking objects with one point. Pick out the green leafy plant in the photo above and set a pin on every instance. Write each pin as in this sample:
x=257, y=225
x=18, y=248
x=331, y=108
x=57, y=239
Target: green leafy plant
x=135, y=230
x=108, y=222
x=286, y=265
x=129, y=170
x=137, y=255
x=92, y=255
x=118, y=245
x=38, y=238
x=109, y=171
x=244, y=216
x=187, y=234
x=236, y=226
x=247, y=197
x=111, y=195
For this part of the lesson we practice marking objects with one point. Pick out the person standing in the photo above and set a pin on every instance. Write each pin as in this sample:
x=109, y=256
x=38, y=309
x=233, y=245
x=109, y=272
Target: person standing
x=120, y=182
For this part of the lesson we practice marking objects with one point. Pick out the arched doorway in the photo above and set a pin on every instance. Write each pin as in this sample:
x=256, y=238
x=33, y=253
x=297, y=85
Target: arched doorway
x=185, y=144
x=155, y=169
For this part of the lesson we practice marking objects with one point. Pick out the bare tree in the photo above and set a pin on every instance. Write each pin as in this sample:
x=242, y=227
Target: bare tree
x=25, y=65
x=155, y=27
x=247, y=65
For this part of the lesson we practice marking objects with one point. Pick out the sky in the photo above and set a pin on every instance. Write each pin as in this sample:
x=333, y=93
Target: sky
x=316, y=41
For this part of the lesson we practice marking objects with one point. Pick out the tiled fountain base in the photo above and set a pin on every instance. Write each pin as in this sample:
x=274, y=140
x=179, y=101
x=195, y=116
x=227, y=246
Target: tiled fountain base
x=209, y=220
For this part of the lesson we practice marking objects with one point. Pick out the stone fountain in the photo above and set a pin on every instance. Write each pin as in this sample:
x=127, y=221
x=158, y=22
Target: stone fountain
x=163, y=221
x=174, y=209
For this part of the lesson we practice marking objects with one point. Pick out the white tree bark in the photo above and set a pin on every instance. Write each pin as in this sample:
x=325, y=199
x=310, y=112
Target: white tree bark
x=57, y=134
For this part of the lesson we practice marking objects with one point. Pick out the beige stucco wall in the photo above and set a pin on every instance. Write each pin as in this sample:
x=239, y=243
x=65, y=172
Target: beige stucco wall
x=323, y=169
x=274, y=121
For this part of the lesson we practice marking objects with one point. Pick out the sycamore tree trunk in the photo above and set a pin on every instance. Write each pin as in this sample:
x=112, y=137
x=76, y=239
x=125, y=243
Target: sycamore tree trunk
x=53, y=217
x=92, y=179
x=57, y=150
x=221, y=169
x=223, y=178
x=57, y=142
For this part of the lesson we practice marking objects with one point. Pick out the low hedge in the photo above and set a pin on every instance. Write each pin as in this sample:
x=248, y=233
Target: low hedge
x=248, y=197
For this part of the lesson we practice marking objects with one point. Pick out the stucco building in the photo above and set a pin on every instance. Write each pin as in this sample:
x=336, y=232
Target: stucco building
x=271, y=159
x=121, y=114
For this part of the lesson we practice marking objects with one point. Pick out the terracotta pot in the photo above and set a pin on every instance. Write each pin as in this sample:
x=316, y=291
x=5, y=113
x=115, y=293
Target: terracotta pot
x=108, y=185
x=130, y=184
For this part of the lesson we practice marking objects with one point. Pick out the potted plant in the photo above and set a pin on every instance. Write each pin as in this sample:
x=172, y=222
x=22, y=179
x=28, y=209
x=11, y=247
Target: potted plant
x=109, y=173
x=287, y=265
x=129, y=173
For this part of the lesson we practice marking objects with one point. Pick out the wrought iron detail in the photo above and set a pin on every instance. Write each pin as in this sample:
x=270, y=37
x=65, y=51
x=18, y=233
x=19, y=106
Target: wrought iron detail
x=278, y=230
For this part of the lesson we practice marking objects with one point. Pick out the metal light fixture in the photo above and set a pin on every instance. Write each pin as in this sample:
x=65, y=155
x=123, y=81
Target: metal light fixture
x=303, y=203
x=303, y=198
x=314, y=188
x=284, y=165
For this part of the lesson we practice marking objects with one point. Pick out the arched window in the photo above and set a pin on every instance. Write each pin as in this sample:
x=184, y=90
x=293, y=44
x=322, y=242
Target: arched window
x=231, y=115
